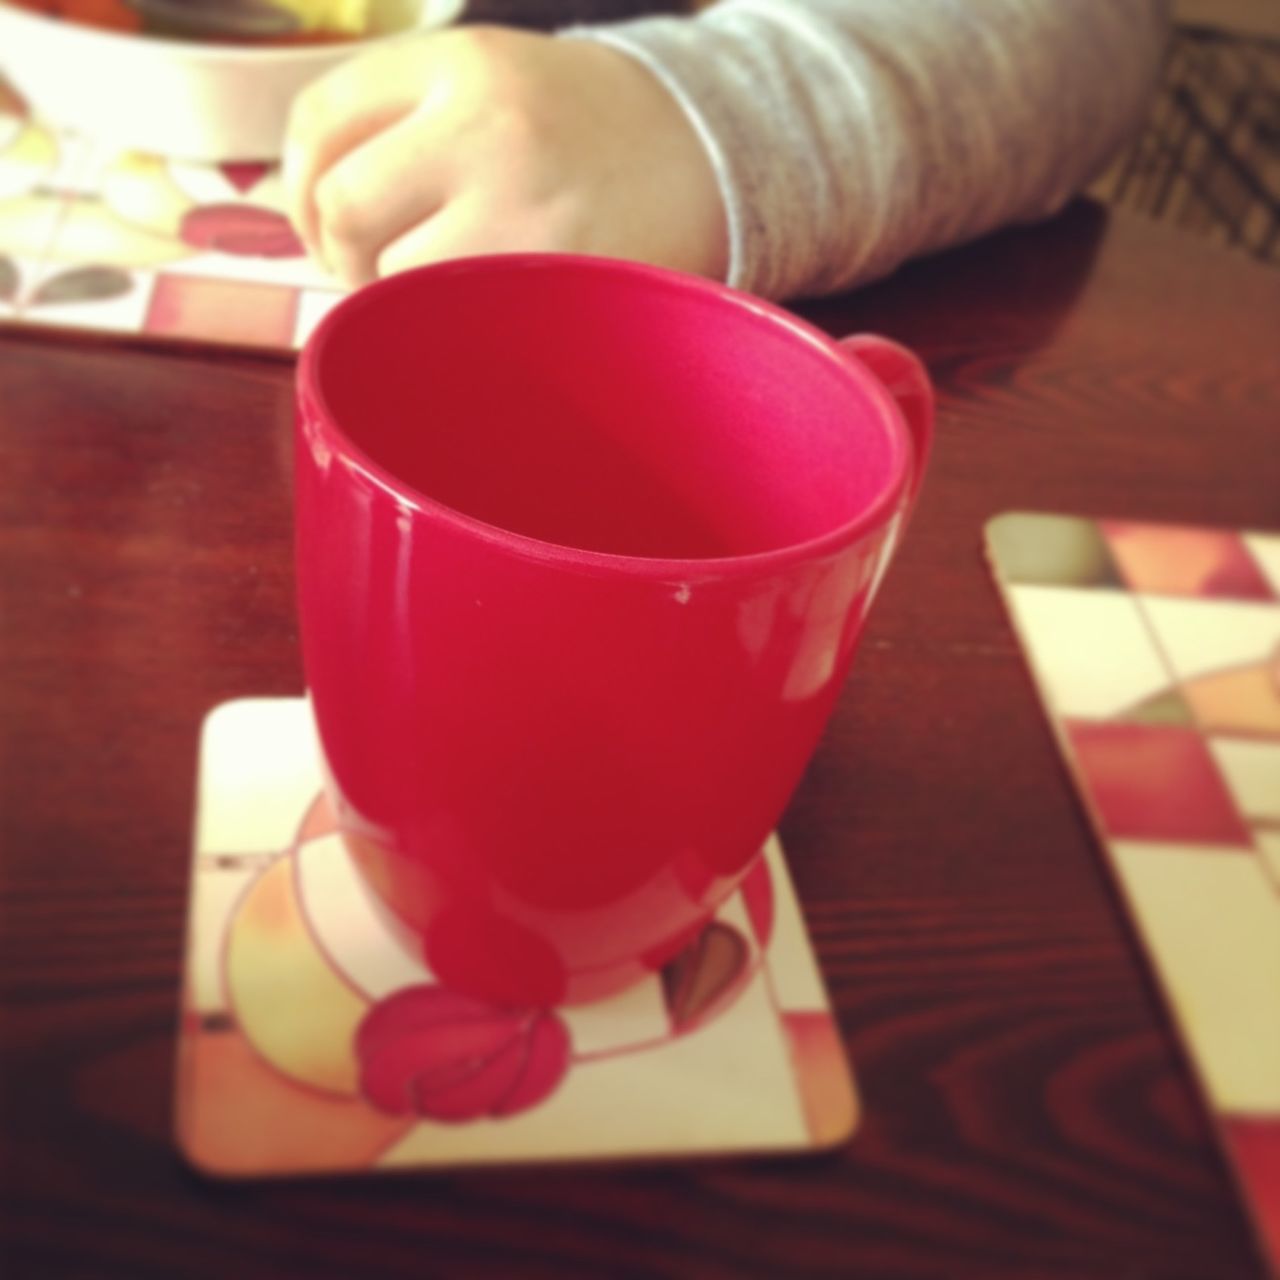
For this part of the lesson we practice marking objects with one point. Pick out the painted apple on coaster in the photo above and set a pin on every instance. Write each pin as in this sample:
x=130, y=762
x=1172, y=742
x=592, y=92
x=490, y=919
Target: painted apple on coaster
x=584, y=549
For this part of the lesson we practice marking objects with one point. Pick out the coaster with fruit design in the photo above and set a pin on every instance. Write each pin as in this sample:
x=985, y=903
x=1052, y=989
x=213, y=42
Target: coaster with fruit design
x=312, y=1041
x=121, y=242
x=1156, y=652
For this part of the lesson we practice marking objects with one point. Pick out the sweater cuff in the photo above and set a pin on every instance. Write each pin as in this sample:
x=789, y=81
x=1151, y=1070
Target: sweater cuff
x=674, y=51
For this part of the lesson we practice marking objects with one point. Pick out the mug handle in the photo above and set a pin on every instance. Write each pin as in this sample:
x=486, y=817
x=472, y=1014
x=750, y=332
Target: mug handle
x=903, y=376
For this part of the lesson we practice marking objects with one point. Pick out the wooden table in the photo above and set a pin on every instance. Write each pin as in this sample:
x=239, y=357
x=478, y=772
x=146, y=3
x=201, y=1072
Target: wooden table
x=1029, y=1113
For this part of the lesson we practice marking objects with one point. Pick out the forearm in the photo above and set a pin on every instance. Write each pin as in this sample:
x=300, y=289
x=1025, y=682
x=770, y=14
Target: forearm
x=849, y=135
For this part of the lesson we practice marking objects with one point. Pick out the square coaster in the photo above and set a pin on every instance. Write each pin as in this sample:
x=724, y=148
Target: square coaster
x=313, y=1041
x=101, y=240
x=1156, y=652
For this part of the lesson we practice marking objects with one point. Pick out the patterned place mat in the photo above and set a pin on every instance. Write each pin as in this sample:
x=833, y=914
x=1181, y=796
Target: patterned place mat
x=311, y=1040
x=136, y=245
x=1156, y=650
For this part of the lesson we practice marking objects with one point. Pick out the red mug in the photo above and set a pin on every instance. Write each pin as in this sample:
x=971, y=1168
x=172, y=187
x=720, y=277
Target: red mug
x=584, y=548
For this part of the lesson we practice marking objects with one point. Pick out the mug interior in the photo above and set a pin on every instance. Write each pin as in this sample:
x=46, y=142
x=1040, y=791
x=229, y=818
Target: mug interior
x=603, y=407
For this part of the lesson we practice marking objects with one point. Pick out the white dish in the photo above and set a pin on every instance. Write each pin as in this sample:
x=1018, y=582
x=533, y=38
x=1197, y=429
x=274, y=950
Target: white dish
x=210, y=102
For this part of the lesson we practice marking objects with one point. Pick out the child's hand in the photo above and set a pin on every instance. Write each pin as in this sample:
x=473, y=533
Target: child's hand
x=484, y=140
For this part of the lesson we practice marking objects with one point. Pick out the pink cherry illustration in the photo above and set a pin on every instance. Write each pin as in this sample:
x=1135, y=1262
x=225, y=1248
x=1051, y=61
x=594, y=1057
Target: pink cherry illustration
x=246, y=230
x=431, y=1052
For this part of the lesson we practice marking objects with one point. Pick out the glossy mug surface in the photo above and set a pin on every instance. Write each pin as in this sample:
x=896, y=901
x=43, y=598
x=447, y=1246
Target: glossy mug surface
x=584, y=549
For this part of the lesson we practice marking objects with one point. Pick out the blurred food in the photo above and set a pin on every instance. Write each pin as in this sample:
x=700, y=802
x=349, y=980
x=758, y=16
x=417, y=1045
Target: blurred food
x=234, y=21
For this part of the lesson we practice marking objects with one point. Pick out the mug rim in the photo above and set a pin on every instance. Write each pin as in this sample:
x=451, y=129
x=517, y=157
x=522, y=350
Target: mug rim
x=876, y=514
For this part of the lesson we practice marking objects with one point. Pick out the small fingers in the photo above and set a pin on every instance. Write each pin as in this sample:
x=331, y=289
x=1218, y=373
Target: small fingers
x=457, y=230
x=328, y=119
x=485, y=221
x=375, y=193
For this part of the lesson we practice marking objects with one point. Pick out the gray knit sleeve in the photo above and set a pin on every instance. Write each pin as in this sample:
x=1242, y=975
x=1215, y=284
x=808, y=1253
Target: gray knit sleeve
x=850, y=135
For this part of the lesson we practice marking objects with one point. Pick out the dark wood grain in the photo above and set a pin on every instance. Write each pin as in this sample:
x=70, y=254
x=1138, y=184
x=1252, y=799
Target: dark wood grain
x=1029, y=1113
